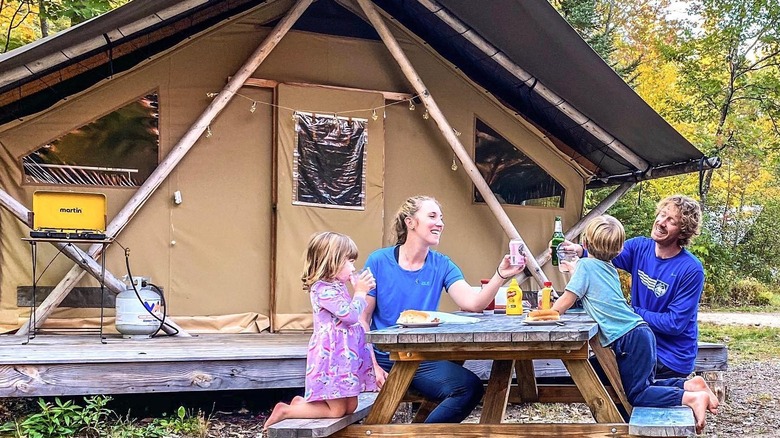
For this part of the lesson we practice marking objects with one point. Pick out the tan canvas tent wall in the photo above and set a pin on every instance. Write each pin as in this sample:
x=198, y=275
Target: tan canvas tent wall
x=229, y=257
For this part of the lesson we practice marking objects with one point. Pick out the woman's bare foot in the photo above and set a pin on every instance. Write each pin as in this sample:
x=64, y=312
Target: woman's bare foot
x=277, y=415
x=698, y=401
x=698, y=383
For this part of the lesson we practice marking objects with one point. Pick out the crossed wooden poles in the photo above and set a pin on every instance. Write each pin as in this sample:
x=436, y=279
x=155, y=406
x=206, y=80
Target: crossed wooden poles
x=86, y=261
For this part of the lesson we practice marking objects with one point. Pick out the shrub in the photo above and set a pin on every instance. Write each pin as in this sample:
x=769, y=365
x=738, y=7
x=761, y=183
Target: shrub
x=750, y=292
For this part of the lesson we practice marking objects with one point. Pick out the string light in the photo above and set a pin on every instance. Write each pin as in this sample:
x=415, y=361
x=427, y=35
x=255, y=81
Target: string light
x=425, y=114
x=454, y=166
x=294, y=112
x=457, y=133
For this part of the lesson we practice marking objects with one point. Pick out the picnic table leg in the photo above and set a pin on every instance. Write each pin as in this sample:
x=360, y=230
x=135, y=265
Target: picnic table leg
x=526, y=381
x=392, y=392
x=606, y=358
x=601, y=405
x=497, y=394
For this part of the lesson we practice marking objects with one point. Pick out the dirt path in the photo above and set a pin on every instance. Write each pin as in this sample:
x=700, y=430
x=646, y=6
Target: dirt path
x=755, y=319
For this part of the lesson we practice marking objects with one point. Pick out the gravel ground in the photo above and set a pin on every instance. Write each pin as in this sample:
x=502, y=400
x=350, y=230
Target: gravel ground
x=752, y=409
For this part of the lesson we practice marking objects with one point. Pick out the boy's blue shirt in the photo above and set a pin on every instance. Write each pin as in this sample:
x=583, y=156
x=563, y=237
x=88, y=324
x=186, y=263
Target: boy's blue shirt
x=597, y=284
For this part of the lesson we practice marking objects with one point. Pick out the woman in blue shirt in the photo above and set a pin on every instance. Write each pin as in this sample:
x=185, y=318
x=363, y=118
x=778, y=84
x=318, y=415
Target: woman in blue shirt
x=410, y=275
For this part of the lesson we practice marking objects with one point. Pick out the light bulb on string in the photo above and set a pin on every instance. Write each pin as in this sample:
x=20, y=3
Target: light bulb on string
x=374, y=115
x=254, y=107
x=454, y=166
x=425, y=114
x=208, y=131
x=384, y=114
x=411, y=105
x=457, y=133
x=211, y=94
x=294, y=118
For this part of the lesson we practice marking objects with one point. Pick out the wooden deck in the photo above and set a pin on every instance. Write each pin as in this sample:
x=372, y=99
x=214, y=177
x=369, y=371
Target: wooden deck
x=80, y=365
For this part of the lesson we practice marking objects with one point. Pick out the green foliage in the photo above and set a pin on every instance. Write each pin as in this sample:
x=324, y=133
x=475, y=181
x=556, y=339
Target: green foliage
x=67, y=419
x=594, y=21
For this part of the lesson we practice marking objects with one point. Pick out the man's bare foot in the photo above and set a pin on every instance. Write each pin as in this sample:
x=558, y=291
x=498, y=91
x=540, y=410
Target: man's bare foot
x=276, y=416
x=698, y=383
x=698, y=401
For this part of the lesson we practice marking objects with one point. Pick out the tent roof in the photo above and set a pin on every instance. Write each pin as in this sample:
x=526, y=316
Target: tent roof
x=530, y=34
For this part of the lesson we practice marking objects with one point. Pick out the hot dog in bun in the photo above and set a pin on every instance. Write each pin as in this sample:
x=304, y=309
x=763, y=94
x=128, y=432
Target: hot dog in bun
x=415, y=317
x=543, y=315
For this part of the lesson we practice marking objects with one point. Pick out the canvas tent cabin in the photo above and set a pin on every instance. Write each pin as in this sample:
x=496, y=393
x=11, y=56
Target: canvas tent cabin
x=101, y=107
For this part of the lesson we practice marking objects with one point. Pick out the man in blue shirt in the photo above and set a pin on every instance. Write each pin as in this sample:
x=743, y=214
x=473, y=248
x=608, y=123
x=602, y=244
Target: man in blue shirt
x=667, y=282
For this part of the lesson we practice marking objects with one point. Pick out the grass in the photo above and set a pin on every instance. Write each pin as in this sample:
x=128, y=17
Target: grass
x=745, y=343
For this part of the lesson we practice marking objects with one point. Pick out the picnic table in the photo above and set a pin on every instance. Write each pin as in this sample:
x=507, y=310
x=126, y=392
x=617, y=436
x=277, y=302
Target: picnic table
x=512, y=345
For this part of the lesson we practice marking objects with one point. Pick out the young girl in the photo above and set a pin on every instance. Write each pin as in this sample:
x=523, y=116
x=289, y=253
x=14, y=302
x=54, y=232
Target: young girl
x=338, y=364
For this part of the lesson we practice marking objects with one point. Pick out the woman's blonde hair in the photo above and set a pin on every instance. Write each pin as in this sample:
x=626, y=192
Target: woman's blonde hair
x=690, y=216
x=408, y=209
x=326, y=254
x=604, y=236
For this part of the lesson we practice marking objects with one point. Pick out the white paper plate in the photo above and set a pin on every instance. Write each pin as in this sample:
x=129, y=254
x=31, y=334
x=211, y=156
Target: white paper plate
x=421, y=324
x=559, y=322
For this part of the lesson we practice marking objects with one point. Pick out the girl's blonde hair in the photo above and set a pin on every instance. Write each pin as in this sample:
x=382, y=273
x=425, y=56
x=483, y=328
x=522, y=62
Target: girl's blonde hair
x=408, y=209
x=604, y=236
x=326, y=254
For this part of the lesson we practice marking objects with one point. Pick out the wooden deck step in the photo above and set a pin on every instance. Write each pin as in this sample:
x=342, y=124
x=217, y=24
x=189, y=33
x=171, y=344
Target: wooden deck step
x=677, y=421
x=321, y=427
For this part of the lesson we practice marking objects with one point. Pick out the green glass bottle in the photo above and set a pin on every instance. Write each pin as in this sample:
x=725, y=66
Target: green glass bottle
x=557, y=239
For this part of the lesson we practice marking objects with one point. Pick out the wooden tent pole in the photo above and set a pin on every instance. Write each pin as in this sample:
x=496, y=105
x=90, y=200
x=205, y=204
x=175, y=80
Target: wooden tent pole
x=576, y=230
x=449, y=134
x=502, y=59
x=180, y=149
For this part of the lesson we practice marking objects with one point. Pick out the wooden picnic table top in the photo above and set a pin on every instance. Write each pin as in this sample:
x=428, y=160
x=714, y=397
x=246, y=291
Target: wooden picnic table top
x=498, y=328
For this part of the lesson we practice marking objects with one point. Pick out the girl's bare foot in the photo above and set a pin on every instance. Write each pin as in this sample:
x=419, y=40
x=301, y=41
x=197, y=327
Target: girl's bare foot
x=698, y=383
x=297, y=399
x=698, y=401
x=276, y=416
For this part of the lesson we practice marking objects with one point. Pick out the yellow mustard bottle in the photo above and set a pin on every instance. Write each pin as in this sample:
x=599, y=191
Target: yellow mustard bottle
x=546, y=302
x=514, y=299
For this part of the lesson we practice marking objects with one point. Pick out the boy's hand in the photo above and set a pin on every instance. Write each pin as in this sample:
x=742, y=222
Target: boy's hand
x=508, y=270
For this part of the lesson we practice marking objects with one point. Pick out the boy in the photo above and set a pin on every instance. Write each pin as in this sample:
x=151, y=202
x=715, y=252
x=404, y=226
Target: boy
x=597, y=285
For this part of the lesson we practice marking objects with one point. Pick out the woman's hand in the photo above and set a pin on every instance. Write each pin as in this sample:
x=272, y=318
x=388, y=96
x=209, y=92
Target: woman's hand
x=507, y=270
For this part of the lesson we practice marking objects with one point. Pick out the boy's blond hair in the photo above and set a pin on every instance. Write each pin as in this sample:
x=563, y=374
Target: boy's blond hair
x=604, y=237
x=326, y=254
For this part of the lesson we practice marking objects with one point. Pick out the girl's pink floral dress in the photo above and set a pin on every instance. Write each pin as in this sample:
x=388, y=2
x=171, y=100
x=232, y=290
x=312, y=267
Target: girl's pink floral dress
x=339, y=363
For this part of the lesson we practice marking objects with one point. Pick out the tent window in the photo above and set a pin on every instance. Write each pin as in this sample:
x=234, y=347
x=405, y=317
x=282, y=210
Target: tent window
x=120, y=149
x=512, y=176
x=329, y=161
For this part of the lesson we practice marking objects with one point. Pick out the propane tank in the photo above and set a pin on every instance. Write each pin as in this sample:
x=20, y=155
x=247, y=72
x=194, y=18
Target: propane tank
x=133, y=316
